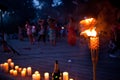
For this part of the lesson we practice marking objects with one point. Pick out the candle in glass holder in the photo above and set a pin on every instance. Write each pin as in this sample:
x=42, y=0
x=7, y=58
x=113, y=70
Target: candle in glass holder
x=15, y=73
x=29, y=71
x=6, y=67
x=46, y=76
x=9, y=61
x=11, y=71
x=12, y=65
x=65, y=75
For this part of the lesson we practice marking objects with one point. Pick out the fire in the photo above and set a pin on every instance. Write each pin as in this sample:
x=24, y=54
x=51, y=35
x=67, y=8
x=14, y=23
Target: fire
x=88, y=25
x=90, y=32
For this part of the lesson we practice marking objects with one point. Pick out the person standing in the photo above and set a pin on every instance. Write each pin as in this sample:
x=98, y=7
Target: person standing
x=71, y=32
x=41, y=31
x=52, y=31
x=29, y=32
x=114, y=43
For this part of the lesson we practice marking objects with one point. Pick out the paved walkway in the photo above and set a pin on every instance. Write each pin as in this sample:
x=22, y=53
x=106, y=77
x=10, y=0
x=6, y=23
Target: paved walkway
x=74, y=59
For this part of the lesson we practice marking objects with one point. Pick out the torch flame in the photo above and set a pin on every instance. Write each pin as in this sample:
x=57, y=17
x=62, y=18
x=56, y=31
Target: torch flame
x=90, y=32
x=89, y=28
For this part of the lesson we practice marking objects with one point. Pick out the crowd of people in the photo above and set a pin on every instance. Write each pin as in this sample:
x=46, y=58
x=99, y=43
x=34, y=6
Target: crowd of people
x=42, y=31
x=48, y=30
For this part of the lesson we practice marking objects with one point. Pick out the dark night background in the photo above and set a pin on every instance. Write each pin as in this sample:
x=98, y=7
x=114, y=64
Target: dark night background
x=16, y=12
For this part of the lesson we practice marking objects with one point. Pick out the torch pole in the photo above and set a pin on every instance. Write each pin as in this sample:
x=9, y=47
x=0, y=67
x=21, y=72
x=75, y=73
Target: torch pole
x=94, y=44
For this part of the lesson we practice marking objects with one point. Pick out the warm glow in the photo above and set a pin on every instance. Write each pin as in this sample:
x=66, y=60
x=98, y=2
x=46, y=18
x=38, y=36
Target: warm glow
x=90, y=22
x=90, y=32
x=88, y=27
x=65, y=75
x=29, y=71
x=9, y=61
x=46, y=76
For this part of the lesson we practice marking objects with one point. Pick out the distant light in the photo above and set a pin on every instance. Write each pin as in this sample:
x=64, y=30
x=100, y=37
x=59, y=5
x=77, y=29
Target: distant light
x=56, y=3
x=62, y=27
x=37, y=4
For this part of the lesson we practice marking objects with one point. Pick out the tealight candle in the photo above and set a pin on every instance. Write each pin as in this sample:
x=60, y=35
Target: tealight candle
x=65, y=75
x=12, y=65
x=29, y=71
x=46, y=76
x=15, y=73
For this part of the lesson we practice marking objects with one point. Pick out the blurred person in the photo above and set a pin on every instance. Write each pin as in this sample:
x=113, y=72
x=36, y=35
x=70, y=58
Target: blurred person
x=52, y=31
x=29, y=32
x=114, y=43
x=41, y=31
x=34, y=31
x=71, y=37
x=20, y=33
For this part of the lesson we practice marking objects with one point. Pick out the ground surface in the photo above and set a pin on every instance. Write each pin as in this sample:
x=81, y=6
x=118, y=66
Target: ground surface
x=74, y=59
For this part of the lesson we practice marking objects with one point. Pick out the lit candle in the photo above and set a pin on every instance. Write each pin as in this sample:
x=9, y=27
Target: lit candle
x=19, y=70
x=33, y=76
x=24, y=69
x=12, y=65
x=36, y=75
x=71, y=79
x=36, y=72
x=29, y=71
x=1, y=66
x=46, y=76
x=11, y=71
x=15, y=73
x=16, y=68
x=6, y=67
x=9, y=61
x=23, y=73
x=65, y=75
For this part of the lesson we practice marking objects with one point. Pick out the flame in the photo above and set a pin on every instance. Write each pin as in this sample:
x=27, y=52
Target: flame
x=88, y=25
x=90, y=32
x=90, y=22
